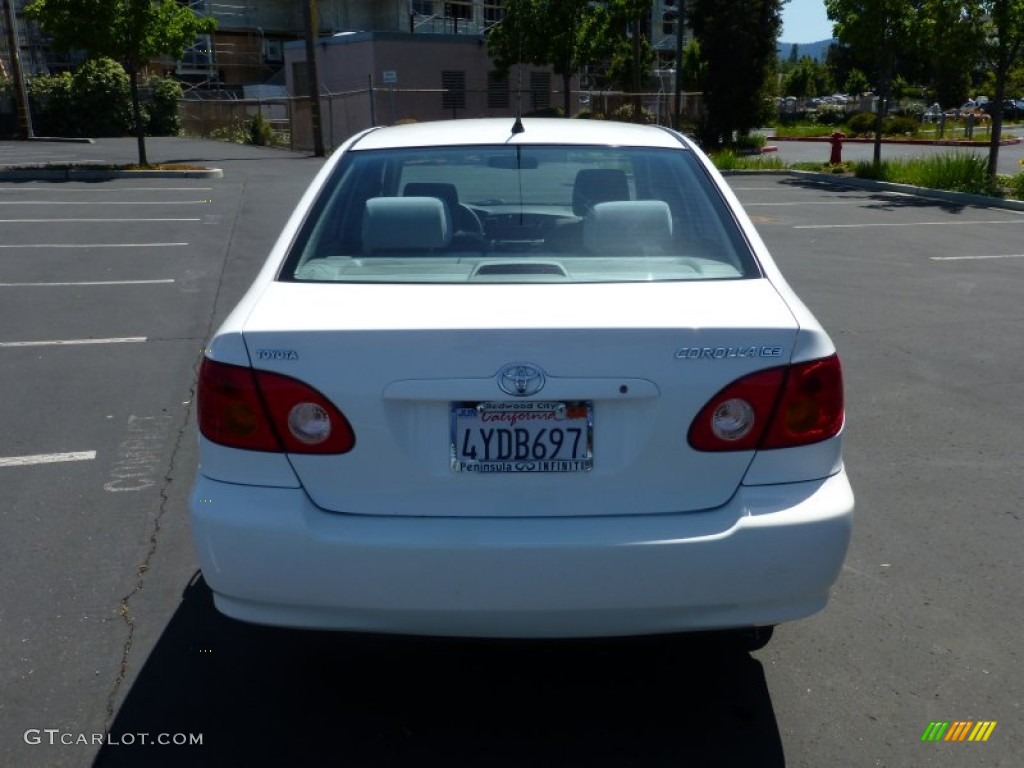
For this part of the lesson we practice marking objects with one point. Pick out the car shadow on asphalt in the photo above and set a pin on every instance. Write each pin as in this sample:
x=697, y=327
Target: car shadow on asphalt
x=263, y=696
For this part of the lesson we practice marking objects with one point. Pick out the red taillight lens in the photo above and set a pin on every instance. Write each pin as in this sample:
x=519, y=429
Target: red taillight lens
x=262, y=411
x=811, y=408
x=716, y=427
x=306, y=420
x=230, y=410
x=778, y=408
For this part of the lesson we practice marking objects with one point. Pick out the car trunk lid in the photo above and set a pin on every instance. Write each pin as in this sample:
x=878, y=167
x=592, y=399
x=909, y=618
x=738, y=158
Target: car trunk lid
x=639, y=359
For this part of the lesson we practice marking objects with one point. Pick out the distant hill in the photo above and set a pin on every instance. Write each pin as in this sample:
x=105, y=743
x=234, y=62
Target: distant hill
x=817, y=51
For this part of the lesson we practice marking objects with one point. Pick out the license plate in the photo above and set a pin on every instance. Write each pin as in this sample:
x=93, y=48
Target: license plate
x=522, y=437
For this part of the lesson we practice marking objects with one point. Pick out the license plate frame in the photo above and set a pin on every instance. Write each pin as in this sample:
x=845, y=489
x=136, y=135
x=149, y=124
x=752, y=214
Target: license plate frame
x=522, y=437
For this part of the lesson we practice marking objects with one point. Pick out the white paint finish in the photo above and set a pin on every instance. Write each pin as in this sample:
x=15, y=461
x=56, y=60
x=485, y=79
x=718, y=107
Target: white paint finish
x=138, y=455
x=46, y=458
x=908, y=224
x=978, y=257
x=73, y=342
x=88, y=221
x=87, y=283
x=96, y=245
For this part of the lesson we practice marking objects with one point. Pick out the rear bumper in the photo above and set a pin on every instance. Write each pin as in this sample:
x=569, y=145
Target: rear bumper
x=770, y=555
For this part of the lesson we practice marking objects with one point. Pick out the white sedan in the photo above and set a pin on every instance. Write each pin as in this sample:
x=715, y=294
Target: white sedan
x=520, y=379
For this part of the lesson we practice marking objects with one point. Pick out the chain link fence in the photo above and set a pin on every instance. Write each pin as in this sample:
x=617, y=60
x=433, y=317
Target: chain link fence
x=345, y=113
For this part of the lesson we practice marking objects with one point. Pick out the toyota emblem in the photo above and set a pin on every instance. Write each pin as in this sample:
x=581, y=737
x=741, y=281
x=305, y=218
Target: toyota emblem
x=521, y=379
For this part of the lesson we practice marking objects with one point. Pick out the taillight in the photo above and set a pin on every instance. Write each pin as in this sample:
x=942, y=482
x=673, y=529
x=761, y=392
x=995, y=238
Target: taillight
x=261, y=411
x=777, y=408
x=306, y=420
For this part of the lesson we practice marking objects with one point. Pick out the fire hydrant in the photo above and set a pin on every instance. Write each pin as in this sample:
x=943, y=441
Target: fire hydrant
x=837, y=148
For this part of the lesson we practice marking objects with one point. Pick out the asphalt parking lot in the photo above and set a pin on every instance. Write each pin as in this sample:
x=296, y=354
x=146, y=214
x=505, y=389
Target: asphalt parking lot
x=109, y=290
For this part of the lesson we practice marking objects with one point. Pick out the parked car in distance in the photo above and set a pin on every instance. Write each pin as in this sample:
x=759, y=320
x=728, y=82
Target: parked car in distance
x=1013, y=109
x=535, y=378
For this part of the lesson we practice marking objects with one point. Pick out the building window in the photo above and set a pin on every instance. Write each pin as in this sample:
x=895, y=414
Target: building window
x=540, y=90
x=453, y=82
x=198, y=57
x=458, y=9
x=497, y=90
x=423, y=7
x=494, y=11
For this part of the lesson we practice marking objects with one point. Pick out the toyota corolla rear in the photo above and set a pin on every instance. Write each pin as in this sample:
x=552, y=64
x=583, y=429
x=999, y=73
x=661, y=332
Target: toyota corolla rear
x=537, y=383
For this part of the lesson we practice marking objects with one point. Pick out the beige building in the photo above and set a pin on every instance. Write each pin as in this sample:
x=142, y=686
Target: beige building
x=402, y=61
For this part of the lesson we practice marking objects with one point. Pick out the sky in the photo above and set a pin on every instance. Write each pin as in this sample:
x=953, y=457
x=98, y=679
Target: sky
x=804, y=21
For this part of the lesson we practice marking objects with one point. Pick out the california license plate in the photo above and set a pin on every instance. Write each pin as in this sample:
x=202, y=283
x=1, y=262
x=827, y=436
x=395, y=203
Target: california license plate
x=522, y=436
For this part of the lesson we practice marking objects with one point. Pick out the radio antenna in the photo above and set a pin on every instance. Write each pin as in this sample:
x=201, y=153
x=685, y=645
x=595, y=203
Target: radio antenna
x=517, y=126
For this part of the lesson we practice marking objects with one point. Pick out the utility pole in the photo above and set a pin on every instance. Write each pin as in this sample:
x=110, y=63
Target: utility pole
x=20, y=92
x=309, y=17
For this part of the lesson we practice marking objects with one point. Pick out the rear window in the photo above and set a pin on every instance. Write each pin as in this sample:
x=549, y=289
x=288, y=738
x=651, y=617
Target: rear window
x=519, y=214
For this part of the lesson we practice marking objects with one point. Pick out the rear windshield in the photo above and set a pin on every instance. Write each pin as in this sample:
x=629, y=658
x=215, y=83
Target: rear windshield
x=519, y=214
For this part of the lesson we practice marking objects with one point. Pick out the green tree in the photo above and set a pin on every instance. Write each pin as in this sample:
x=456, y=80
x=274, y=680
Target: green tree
x=1003, y=31
x=563, y=33
x=856, y=83
x=878, y=31
x=738, y=40
x=808, y=78
x=954, y=42
x=129, y=31
x=694, y=69
x=629, y=51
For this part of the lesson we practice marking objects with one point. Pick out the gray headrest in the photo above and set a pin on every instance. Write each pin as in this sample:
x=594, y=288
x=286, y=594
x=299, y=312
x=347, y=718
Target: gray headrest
x=406, y=223
x=598, y=185
x=637, y=226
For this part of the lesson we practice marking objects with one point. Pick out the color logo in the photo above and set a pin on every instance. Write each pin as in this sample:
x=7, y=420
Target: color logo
x=959, y=730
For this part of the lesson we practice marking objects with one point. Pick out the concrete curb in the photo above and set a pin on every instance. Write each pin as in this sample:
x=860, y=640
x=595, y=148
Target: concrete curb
x=913, y=142
x=962, y=198
x=62, y=139
x=102, y=174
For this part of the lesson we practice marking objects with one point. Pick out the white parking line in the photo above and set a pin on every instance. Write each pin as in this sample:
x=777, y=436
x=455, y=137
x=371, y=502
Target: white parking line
x=105, y=202
x=90, y=221
x=97, y=245
x=906, y=224
x=45, y=458
x=90, y=282
x=977, y=257
x=108, y=191
x=804, y=204
x=73, y=342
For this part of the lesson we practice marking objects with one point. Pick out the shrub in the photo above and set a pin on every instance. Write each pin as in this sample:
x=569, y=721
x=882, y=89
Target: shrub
x=162, y=110
x=624, y=114
x=728, y=160
x=725, y=160
x=101, y=98
x=50, y=101
x=899, y=125
x=1015, y=186
x=261, y=133
x=955, y=171
x=750, y=141
x=545, y=112
x=237, y=132
x=828, y=116
x=861, y=123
